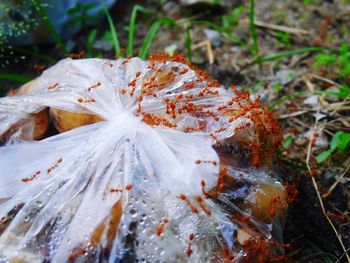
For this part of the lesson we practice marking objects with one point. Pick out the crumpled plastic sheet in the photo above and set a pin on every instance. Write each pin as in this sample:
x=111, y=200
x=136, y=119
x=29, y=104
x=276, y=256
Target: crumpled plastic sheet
x=155, y=166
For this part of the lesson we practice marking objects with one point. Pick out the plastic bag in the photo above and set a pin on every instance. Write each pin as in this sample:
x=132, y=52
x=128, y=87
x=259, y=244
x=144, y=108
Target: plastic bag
x=175, y=171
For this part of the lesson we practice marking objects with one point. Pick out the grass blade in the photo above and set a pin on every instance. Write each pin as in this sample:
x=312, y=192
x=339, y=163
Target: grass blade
x=90, y=41
x=132, y=26
x=56, y=36
x=288, y=54
x=112, y=29
x=252, y=28
x=15, y=77
x=188, y=44
x=151, y=34
x=326, y=259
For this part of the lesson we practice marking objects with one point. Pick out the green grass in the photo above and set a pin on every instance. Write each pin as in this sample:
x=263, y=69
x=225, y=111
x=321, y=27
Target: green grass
x=287, y=141
x=50, y=26
x=287, y=54
x=152, y=33
x=114, y=33
x=339, y=58
x=325, y=257
x=252, y=28
x=132, y=27
x=283, y=39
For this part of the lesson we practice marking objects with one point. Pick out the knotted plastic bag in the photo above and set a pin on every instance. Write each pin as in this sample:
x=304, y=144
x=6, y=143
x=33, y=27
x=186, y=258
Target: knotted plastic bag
x=174, y=170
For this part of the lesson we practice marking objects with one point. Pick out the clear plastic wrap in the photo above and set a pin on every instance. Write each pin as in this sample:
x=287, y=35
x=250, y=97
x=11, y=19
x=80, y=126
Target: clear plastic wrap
x=172, y=168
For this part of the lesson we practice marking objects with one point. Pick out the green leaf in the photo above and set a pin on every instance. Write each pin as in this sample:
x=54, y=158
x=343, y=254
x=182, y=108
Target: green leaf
x=278, y=87
x=323, y=156
x=344, y=49
x=340, y=141
x=325, y=59
x=287, y=141
x=344, y=142
x=335, y=141
x=344, y=91
x=283, y=37
x=345, y=70
x=228, y=22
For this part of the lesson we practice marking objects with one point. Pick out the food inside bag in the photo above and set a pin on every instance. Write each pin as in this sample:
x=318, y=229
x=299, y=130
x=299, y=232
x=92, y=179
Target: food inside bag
x=152, y=161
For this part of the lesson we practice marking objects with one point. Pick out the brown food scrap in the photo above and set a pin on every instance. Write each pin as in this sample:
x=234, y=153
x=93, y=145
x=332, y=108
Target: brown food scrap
x=66, y=120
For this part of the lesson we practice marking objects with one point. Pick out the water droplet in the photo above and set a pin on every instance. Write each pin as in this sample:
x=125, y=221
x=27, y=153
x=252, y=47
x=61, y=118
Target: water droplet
x=26, y=218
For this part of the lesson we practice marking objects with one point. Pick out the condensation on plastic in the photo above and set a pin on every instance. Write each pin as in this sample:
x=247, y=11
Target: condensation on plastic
x=58, y=211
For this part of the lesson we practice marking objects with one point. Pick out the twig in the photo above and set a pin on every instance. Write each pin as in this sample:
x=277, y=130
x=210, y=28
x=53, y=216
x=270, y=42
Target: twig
x=319, y=195
x=329, y=81
x=308, y=83
x=207, y=45
x=341, y=105
x=334, y=185
x=290, y=30
x=347, y=250
x=297, y=113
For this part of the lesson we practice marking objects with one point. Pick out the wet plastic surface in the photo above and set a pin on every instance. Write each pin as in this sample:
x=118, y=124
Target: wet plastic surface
x=174, y=168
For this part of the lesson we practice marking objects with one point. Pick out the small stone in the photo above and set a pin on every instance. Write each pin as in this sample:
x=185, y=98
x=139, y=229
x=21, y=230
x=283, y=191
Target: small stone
x=312, y=100
x=213, y=36
x=171, y=8
x=320, y=138
x=171, y=49
x=284, y=76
